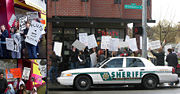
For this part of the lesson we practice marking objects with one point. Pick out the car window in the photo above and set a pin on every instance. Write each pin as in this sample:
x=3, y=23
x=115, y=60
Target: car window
x=114, y=63
x=134, y=62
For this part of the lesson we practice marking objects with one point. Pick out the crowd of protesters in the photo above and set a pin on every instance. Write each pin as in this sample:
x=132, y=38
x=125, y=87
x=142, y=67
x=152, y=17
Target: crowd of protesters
x=24, y=47
x=17, y=87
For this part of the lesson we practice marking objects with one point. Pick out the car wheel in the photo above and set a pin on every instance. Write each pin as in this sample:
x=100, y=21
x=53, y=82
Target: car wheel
x=150, y=82
x=82, y=83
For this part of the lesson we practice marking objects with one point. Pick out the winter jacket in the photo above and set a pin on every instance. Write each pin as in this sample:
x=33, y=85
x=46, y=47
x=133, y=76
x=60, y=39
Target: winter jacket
x=4, y=35
x=160, y=58
x=172, y=60
x=3, y=85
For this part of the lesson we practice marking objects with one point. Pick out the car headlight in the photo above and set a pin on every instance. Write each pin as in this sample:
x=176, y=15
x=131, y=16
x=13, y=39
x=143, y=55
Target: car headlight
x=66, y=74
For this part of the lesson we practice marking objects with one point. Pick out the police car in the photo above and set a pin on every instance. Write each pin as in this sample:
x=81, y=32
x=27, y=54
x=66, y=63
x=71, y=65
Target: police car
x=119, y=71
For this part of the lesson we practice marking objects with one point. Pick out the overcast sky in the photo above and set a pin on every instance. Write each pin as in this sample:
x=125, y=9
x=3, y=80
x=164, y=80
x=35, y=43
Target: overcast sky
x=165, y=9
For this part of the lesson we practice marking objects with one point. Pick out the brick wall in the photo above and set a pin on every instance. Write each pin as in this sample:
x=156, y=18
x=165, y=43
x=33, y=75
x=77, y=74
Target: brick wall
x=96, y=8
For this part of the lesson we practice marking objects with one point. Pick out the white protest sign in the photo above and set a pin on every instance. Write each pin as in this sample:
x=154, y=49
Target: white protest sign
x=114, y=44
x=92, y=41
x=22, y=23
x=10, y=44
x=34, y=33
x=32, y=15
x=141, y=43
x=83, y=38
x=12, y=19
x=127, y=38
x=80, y=46
x=123, y=44
x=93, y=59
x=132, y=44
x=26, y=73
x=43, y=70
x=105, y=42
x=57, y=48
x=155, y=44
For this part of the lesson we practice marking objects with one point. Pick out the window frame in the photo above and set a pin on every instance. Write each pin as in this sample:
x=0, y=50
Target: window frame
x=137, y=66
x=111, y=60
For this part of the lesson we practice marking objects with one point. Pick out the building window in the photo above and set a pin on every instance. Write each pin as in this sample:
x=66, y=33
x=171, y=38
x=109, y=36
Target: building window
x=84, y=0
x=117, y=1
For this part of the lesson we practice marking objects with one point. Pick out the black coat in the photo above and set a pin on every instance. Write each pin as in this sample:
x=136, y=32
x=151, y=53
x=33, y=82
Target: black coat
x=3, y=85
x=74, y=56
x=172, y=59
x=160, y=58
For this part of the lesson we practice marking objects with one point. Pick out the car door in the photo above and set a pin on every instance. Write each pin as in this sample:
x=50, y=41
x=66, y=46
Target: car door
x=133, y=70
x=112, y=71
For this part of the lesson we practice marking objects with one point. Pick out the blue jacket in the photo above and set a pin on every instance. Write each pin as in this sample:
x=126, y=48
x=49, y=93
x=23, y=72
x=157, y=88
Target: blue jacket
x=4, y=35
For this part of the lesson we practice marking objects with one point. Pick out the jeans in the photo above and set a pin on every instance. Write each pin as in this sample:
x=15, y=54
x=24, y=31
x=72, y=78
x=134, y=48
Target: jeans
x=74, y=65
x=16, y=54
x=31, y=50
x=53, y=70
x=4, y=51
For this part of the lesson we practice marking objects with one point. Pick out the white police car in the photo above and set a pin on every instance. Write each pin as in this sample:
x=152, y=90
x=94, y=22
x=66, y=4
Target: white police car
x=119, y=70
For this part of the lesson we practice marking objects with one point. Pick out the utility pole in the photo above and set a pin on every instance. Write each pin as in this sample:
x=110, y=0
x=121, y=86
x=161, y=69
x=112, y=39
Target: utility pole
x=144, y=23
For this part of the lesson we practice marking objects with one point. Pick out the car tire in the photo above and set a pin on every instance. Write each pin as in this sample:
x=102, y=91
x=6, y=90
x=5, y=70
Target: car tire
x=150, y=82
x=82, y=83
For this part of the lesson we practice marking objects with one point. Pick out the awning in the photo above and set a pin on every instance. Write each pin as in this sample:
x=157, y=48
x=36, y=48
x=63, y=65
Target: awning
x=39, y=4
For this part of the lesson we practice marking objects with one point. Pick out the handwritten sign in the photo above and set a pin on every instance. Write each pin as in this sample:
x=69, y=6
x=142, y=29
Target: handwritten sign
x=22, y=23
x=105, y=42
x=10, y=44
x=92, y=41
x=80, y=46
x=26, y=73
x=13, y=73
x=114, y=44
x=57, y=48
x=32, y=15
x=12, y=19
x=155, y=44
x=34, y=33
x=83, y=38
x=43, y=70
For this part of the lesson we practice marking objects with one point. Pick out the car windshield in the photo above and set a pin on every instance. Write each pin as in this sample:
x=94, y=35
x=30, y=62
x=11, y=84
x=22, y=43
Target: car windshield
x=101, y=63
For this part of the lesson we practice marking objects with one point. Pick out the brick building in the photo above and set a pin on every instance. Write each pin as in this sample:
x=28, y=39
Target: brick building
x=67, y=18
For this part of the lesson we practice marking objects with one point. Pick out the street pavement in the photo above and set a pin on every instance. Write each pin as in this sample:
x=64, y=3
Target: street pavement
x=163, y=89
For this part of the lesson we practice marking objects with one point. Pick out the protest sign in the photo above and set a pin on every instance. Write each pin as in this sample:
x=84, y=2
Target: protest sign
x=155, y=44
x=80, y=46
x=57, y=48
x=12, y=19
x=34, y=33
x=114, y=44
x=32, y=15
x=13, y=73
x=43, y=70
x=22, y=23
x=83, y=38
x=127, y=38
x=10, y=44
x=93, y=59
x=132, y=44
x=123, y=44
x=38, y=79
x=26, y=73
x=105, y=42
x=92, y=41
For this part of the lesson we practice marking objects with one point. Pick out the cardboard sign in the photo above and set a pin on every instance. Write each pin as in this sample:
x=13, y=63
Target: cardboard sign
x=32, y=15
x=12, y=19
x=114, y=44
x=83, y=38
x=155, y=44
x=93, y=59
x=22, y=23
x=57, y=48
x=127, y=38
x=13, y=73
x=92, y=41
x=123, y=44
x=34, y=33
x=105, y=42
x=43, y=70
x=26, y=73
x=80, y=46
x=10, y=44
x=132, y=44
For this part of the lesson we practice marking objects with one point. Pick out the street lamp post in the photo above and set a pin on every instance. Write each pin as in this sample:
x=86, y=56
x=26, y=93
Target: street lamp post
x=144, y=23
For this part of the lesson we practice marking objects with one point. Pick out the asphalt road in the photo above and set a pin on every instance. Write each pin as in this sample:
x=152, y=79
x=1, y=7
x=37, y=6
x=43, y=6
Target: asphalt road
x=118, y=90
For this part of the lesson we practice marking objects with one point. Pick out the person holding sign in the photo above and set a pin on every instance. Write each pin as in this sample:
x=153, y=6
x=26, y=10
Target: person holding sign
x=159, y=56
x=3, y=35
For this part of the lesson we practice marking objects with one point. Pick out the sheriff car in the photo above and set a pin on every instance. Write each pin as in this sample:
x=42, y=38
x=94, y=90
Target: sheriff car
x=119, y=71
